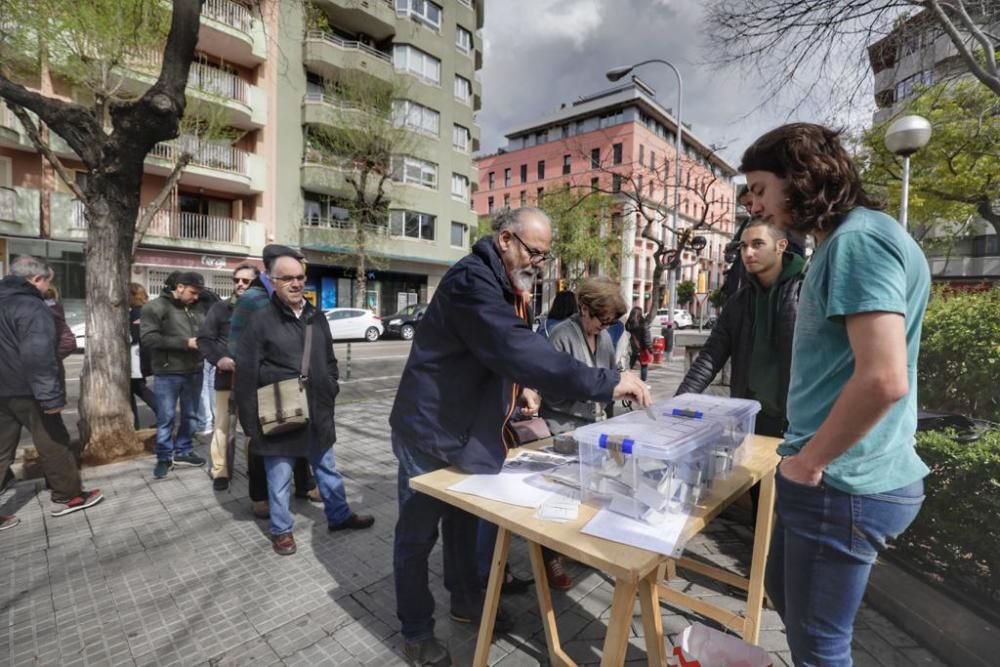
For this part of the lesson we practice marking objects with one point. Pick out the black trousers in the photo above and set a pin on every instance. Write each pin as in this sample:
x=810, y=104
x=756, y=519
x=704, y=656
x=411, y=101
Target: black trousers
x=773, y=427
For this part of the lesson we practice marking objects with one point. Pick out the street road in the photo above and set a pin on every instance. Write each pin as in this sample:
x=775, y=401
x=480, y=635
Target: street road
x=374, y=370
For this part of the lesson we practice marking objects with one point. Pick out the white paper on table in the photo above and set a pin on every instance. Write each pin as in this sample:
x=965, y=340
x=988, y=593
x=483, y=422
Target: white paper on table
x=508, y=488
x=662, y=538
x=558, y=509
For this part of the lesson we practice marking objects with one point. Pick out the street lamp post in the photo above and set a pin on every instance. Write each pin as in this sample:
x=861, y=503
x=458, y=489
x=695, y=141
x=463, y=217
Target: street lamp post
x=614, y=75
x=904, y=137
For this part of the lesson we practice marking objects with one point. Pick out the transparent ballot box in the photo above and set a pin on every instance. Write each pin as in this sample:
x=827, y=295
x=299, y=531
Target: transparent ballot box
x=738, y=417
x=645, y=469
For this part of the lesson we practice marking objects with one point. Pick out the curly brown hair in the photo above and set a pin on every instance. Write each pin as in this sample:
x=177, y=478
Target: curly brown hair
x=823, y=185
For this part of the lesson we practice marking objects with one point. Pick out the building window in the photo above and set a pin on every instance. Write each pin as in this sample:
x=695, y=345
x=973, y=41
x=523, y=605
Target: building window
x=507, y=179
x=489, y=204
x=541, y=169
x=595, y=184
x=491, y=181
x=617, y=118
x=616, y=154
x=652, y=161
x=595, y=158
x=524, y=173
x=408, y=169
x=458, y=235
x=523, y=198
x=540, y=195
x=642, y=154
x=406, y=58
x=567, y=161
x=459, y=187
x=638, y=186
x=907, y=86
x=616, y=183
x=460, y=138
x=416, y=117
x=463, y=89
x=506, y=200
x=411, y=224
x=422, y=11
x=463, y=40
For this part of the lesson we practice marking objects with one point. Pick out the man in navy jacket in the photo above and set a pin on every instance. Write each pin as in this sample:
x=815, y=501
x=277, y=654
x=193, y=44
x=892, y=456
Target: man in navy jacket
x=474, y=359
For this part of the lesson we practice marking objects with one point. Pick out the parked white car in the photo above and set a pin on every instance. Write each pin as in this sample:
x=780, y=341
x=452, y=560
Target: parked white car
x=682, y=318
x=348, y=323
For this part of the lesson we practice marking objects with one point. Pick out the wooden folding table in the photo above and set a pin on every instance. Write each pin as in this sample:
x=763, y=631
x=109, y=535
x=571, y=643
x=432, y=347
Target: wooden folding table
x=636, y=571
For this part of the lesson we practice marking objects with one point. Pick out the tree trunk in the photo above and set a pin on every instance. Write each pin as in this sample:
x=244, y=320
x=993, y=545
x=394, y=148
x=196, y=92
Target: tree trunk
x=361, y=267
x=104, y=387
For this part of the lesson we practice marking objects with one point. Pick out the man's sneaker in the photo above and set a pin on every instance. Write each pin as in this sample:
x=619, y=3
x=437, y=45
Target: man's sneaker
x=220, y=483
x=162, y=468
x=8, y=522
x=81, y=502
x=354, y=522
x=502, y=625
x=261, y=509
x=426, y=652
x=284, y=544
x=191, y=460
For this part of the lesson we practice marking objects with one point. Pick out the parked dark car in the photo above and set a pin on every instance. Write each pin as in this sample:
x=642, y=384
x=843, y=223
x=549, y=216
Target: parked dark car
x=404, y=323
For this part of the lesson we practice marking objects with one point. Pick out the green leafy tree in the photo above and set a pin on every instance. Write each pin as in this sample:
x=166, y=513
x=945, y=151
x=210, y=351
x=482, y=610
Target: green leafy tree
x=364, y=142
x=717, y=298
x=87, y=47
x=957, y=175
x=583, y=234
x=685, y=293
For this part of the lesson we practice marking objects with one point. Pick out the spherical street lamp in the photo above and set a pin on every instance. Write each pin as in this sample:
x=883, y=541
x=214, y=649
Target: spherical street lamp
x=904, y=137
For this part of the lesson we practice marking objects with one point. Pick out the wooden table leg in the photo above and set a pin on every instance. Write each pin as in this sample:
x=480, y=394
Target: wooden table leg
x=492, y=601
x=758, y=562
x=557, y=656
x=620, y=623
x=652, y=619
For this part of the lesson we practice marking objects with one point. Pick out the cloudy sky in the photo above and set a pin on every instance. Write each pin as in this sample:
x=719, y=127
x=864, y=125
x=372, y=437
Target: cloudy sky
x=540, y=53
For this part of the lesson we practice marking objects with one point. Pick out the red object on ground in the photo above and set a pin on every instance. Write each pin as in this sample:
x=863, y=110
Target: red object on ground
x=659, y=345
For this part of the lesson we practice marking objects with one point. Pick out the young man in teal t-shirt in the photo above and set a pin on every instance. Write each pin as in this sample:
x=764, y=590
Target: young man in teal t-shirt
x=851, y=479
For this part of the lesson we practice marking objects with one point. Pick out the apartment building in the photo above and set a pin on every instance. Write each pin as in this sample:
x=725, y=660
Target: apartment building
x=919, y=53
x=620, y=141
x=262, y=72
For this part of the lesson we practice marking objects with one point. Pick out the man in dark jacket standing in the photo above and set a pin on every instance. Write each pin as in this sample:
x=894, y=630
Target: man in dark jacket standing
x=473, y=358
x=270, y=350
x=169, y=328
x=755, y=328
x=32, y=393
x=213, y=343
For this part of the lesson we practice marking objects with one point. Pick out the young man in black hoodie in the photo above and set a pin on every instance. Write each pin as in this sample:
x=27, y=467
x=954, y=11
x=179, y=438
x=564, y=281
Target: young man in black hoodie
x=755, y=328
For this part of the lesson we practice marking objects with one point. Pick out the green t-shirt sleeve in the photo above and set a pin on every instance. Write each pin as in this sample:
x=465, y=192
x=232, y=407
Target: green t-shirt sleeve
x=866, y=273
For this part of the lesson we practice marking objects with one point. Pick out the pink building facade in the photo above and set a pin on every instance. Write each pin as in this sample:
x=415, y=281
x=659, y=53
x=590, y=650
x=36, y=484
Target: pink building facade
x=620, y=141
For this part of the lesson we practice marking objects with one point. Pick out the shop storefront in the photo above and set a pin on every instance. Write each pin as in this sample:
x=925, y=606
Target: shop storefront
x=151, y=268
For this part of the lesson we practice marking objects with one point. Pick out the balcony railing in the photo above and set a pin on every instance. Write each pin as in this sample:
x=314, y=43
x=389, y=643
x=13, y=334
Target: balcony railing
x=169, y=223
x=208, y=154
x=319, y=97
x=344, y=225
x=8, y=119
x=217, y=81
x=8, y=204
x=79, y=216
x=347, y=44
x=232, y=14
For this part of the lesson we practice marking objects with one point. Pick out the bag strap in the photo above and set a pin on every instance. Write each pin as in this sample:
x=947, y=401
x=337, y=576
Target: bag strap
x=304, y=368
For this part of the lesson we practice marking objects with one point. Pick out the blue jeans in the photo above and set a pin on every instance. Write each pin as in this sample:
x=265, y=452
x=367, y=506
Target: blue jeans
x=328, y=480
x=416, y=535
x=168, y=388
x=824, y=545
x=206, y=403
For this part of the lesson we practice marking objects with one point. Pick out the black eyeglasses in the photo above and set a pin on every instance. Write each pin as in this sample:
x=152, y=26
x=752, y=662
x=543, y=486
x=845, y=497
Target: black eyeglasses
x=243, y=281
x=536, y=256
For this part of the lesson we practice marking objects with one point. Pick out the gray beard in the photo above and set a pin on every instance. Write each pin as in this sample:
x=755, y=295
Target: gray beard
x=524, y=279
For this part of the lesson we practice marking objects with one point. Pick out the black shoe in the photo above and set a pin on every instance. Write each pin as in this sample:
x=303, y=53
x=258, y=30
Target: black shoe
x=501, y=625
x=513, y=585
x=354, y=522
x=220, y=483
x=426, y=653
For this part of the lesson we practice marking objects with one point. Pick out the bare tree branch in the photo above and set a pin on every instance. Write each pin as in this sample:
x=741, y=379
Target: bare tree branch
x=154, y=206
x=45, y=149
x=990, y=79
x=72, y=121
